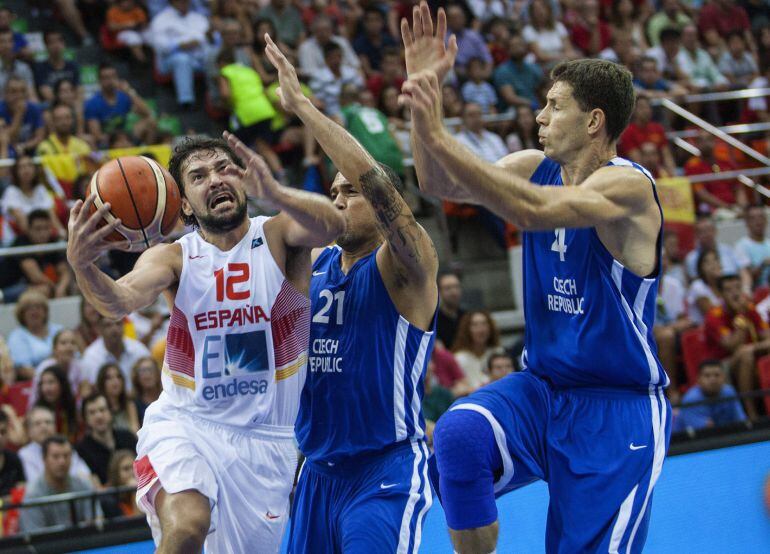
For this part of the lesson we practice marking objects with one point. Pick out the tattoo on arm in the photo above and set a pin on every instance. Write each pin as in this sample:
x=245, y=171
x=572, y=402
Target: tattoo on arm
x=396, y=222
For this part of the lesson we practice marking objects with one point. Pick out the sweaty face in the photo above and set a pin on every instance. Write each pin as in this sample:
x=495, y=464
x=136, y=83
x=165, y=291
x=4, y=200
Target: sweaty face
x=563, y=125
x=361, y=226
x=213, y=192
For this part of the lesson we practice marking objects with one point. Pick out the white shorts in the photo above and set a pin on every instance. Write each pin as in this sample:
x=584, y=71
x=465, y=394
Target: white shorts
x=247, y=475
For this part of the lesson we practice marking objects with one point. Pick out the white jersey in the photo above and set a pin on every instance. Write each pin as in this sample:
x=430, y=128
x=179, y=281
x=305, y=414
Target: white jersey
x=236, y=350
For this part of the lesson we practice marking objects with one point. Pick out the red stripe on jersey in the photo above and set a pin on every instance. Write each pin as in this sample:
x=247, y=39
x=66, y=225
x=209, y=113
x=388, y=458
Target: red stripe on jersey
x=290, y=323
x=180, y=352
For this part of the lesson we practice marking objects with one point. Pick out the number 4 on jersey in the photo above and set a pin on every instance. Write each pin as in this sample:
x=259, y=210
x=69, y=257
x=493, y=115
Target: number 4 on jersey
x=559, y=242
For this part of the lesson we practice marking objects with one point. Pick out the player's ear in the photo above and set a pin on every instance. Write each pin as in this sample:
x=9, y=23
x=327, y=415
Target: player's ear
x=186, y=208
x=596, y=121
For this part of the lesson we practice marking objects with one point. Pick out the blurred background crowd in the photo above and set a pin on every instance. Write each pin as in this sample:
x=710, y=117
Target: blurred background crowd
x=86, y=80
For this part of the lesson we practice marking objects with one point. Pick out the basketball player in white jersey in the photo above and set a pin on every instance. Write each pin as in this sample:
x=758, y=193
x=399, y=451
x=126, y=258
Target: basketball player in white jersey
x=216, y=458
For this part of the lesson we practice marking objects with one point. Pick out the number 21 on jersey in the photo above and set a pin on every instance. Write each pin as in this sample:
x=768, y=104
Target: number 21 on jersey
x=322, y=315
x=559, y=245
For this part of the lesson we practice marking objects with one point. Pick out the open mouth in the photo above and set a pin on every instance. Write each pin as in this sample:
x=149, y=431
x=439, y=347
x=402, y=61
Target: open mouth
x=221, y=198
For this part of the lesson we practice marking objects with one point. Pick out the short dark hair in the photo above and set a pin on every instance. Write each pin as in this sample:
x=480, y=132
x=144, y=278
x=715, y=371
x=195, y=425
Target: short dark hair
x=670, y=33
x=709, y=362
x=497, y=356
x=446, y=273
x=48, y=32
x=600, y=84
x=187, y=148
x=103, y=66
x=724, y=279
x=36, y=214
x=56, y=439
x=735, y=33
x=90, y=399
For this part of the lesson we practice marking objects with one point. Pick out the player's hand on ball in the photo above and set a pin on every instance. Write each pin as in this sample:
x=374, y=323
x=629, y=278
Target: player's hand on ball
x=422, y=93
x=86, y=239
x=289, y=90
x=424, y=49
x=257, y=178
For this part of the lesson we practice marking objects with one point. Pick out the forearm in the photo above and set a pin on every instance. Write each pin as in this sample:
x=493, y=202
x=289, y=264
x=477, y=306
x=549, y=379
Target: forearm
x=348, y=156
x=313, y=213
x=433, y=177
x=101, y=291
x=509, y=196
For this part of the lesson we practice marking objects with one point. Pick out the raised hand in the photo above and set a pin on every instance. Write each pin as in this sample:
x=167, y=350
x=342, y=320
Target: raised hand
x=257, y=178
x=422, y=93
x=289, y=90
x=87, y=242
x=424, y=49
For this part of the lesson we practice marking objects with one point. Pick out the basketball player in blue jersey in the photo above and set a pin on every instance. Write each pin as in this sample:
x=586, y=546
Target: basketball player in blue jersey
x=364, y=486
x=588, y=414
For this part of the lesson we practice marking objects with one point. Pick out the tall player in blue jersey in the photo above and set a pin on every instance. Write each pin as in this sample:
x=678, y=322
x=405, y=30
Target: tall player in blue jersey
x=364, y=486
x=588, y=414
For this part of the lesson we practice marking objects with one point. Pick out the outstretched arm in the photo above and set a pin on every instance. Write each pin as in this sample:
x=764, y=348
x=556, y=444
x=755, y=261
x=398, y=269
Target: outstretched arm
x=307, y=219
x=608, y=194
x=153, y=272
x=407, y=242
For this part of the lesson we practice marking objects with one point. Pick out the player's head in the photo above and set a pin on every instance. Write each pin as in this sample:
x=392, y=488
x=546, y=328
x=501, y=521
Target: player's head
x=709, y=268
x=360, y=221
x=711, y=377
x=213, y=196
x=731, y=289
x=499, y=365
x=96, y=413
x=57, y=457
x=589, y=105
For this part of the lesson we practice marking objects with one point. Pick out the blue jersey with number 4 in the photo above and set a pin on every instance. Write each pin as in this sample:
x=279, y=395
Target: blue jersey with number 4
x=589, y=318
x=366, y=365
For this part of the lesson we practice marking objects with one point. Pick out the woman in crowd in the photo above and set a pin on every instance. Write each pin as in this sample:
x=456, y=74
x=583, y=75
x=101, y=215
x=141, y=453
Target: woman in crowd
x=546, y=37
x=111, y=383
x=477, y=338
x=120, y=474
x=703, y=293
x=66, y=356
x=53, y=392
x=32, y=341
x=27, y=193
x=625, y=19
x=145, y=377
x=524, y=135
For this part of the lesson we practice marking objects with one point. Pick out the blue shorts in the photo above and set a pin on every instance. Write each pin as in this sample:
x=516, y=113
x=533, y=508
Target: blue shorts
x=364, y=506
x=600, y=452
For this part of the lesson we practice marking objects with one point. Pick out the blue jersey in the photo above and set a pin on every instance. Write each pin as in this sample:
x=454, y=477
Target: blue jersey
x=366, y=365
x=589, y=319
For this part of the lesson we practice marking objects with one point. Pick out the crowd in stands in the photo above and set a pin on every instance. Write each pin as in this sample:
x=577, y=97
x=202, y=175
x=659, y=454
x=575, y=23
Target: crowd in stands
x=72, y=399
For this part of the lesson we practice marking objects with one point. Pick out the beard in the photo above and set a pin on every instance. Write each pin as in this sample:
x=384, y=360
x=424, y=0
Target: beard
x=216, y=223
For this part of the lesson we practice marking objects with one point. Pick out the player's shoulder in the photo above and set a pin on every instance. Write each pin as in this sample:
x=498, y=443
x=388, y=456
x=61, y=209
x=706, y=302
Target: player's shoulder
x=523, y=163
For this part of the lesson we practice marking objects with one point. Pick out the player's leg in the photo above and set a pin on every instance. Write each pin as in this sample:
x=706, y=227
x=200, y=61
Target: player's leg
x=185, y=518
x=386, y=502
x=605, y=455
x=313, y=516
x=488, y=443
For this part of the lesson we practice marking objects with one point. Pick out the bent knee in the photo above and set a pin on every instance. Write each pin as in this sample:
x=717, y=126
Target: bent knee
x=465, y=446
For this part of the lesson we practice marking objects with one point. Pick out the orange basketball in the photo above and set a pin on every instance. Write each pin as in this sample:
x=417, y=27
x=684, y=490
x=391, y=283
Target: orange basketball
x=143, y=194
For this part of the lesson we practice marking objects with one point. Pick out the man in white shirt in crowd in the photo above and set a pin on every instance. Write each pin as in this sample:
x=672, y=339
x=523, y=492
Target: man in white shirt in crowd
x=41, y=425
x=755, y=247
x=732, y=261
x=485, y=144
x=179, y=39
x=112, y=347
x=695, y=63
x=311, y=51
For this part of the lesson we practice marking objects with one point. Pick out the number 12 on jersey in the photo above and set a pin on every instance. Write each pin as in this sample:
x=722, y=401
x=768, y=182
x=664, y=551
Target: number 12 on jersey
x=559, y=244
x=329, y=299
